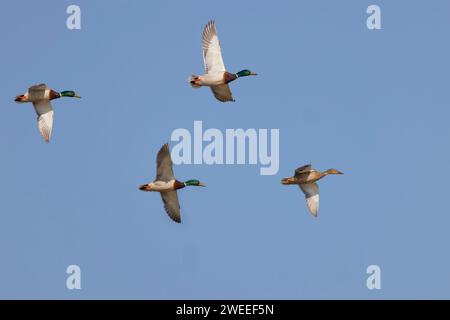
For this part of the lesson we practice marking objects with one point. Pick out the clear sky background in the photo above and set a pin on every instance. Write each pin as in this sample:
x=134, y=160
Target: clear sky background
x=373, y=104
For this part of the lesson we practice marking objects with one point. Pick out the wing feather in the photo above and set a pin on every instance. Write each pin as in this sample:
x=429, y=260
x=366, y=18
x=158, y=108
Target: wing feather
x=311, y=191
x=212, y=54
x=171, y=205
x=222, y=92
x=37, y=92
x=164, y=171
x=44, y=111
x=304, y=169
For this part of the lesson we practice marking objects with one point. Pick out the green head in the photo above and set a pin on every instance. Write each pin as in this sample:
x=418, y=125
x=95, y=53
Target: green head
x=69, y=93
x=194, y=183
x=245, y=73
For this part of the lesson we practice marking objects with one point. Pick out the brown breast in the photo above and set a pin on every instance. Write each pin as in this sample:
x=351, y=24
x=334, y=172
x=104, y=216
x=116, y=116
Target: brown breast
x=228, y=77
x=179, y=185
x=54, y=95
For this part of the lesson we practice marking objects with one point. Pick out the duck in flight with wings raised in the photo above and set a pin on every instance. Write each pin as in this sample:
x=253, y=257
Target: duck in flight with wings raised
x=216, y=76
x=167, y=185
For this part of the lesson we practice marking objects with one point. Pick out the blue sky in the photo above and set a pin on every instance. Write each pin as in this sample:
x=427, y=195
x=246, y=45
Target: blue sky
x=373, y=104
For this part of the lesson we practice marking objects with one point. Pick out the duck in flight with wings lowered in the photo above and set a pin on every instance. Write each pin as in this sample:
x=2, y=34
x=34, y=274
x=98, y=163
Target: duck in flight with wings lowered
x=40, y=96
x=306, y=177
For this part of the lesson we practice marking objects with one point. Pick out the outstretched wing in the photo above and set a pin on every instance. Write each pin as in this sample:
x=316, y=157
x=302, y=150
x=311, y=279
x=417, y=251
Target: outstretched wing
x=212, y=54
x=222, y=93
x=44, y=111
x=164, y=171
x=311, y=191
x=171, y=205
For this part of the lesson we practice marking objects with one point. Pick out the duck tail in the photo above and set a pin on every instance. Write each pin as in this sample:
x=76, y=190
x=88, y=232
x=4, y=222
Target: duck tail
x=194, y=81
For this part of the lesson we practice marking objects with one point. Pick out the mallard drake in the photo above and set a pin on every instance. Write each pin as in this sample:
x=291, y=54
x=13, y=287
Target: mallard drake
x=216, y=76
x=167, y=185
x=40, y=96
x=306, y=178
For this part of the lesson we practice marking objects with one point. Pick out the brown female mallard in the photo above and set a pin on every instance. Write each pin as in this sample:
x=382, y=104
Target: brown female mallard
x=306, y=178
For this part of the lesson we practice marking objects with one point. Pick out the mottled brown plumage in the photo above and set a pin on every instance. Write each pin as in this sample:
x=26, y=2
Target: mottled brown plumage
x=305, y=177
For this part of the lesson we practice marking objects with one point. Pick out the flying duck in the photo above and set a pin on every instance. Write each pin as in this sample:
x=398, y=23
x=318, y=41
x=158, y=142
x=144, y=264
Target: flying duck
x=216, y=76
x=306, y=177
x=40, y=96
x=167, y=185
